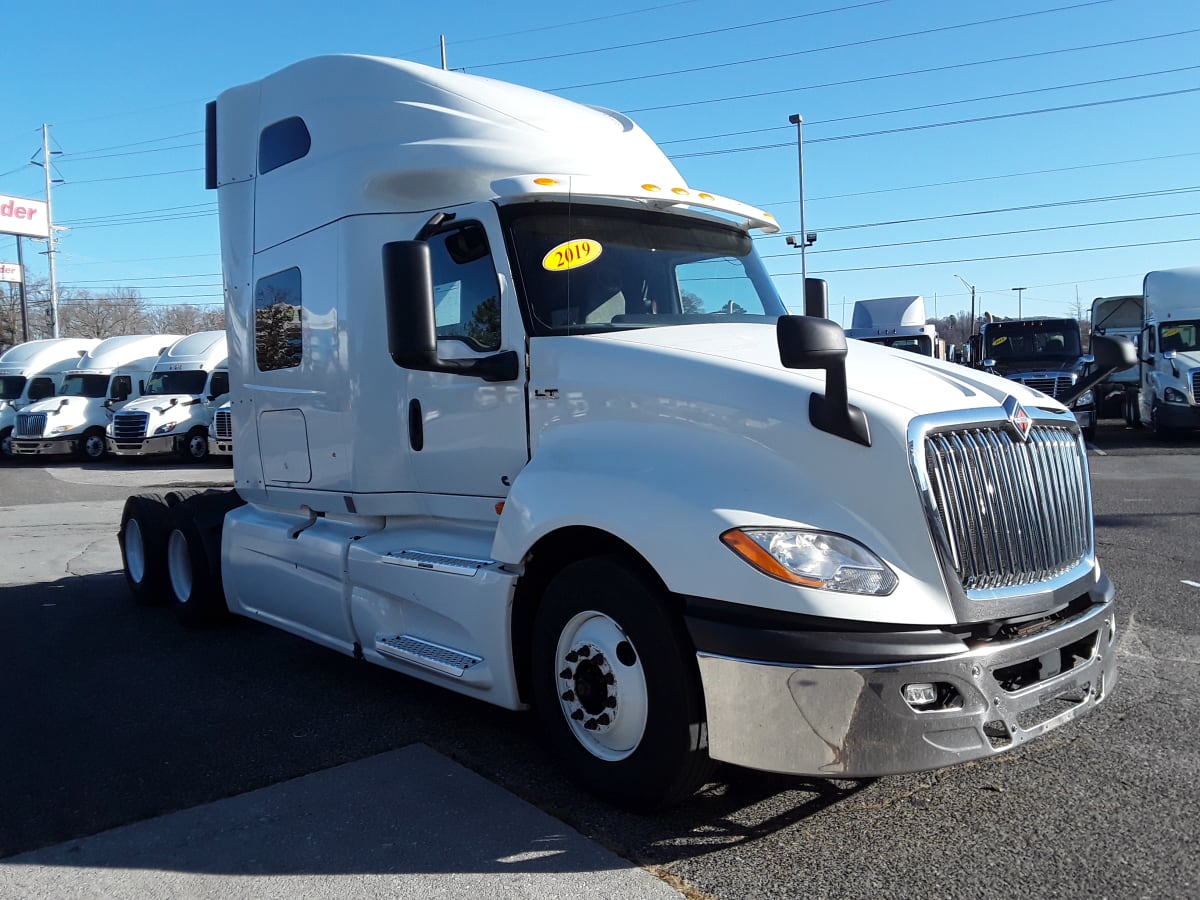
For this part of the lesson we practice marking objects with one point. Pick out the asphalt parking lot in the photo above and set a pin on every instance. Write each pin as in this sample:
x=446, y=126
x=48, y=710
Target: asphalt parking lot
x=116, y=717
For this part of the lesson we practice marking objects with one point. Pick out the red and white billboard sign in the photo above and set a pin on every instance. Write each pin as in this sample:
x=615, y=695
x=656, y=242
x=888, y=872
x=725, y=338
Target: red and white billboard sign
x=11, y=272
x=23, y=217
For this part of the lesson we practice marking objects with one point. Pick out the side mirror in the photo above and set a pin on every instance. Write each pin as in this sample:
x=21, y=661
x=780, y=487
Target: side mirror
x=412, y=338
x=806, y=342
x=1110, y=355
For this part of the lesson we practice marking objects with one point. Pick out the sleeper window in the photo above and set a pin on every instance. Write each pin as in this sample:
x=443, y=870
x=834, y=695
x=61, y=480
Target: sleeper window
x=277, y=321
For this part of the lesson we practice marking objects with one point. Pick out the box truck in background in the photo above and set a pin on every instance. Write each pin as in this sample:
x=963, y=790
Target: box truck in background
x=517, y=411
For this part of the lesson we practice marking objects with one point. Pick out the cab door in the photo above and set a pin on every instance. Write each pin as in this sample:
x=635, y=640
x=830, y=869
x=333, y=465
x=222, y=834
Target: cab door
x=469, y=436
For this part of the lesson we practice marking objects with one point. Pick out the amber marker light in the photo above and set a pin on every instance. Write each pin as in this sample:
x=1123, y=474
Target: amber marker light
x=706, y=196
x=751, y=551
x=499, y=507
x=545, y=182
x=682, y=192
x=651, y=187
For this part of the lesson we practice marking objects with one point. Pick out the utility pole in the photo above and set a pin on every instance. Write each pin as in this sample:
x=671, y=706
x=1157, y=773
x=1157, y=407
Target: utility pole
x=443, y=41
x=971, y=287
x=1020, y=291
x=50, y=231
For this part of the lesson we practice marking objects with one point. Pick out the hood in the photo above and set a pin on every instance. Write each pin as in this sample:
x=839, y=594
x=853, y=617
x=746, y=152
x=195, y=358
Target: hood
x=160, y=403
x=739, y=363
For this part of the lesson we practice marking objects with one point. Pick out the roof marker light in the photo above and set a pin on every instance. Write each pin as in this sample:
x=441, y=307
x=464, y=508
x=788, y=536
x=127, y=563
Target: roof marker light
x=651, y=187
x=545, y=181
x=704, y=195
x=682, y=192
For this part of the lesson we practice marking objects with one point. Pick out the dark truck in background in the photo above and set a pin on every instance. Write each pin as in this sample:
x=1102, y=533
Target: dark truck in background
x=1044, y=354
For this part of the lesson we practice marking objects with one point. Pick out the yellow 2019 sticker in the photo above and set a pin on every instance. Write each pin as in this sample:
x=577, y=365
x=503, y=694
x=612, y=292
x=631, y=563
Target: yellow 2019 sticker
x=1000, y=340
x=572, y=255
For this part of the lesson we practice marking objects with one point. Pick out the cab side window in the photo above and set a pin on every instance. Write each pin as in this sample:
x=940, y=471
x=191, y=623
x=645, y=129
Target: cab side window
x=122, y=387
x=466, y=292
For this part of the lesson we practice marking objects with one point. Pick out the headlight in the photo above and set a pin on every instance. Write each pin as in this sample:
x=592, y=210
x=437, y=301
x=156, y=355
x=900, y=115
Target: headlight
x=166, y=429
x=814, y=559
x=1171, y=395
x=59, y=429
x=1087, y=398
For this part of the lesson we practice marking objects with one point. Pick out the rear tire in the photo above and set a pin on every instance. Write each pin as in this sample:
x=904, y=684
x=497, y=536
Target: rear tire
x=143, y=548
x=616, y=688
x=194, y=585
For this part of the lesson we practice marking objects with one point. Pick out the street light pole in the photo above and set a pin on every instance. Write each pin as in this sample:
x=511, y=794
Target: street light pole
x=1020, y=291
x=798, y=121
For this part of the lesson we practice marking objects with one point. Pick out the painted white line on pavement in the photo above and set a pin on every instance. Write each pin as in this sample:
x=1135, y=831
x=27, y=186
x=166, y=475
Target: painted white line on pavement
x=1191, y=583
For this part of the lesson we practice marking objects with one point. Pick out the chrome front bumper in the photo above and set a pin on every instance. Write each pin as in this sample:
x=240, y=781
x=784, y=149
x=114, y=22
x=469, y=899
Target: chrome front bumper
x=220, y=447
x=835, y=721
x=44, y=446
x=151, y=446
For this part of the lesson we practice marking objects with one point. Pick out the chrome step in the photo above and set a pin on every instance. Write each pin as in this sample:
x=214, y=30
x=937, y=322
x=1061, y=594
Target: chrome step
x=436, y=562
x=407, y=648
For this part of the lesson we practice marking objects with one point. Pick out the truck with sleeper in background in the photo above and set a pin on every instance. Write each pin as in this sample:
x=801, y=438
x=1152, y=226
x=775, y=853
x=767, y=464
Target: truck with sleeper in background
x=33, y=371
x=106, y=378
x=1117, y=317
x=897, y=322
x=1167, y=396
x=517, y=411
x=175, y=413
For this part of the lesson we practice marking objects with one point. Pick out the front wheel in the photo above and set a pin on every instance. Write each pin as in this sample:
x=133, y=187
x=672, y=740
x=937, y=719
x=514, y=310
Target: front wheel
x=6, y=451
x=194, y=446
x=616, y=688
x=93, y=446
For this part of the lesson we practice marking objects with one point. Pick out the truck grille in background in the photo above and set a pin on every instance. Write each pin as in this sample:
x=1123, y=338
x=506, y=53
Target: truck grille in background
x=30, y=425
x=1013, y=512
x=223, y=425
x=1196, y=386
x=130, y=426
x=1051, y=385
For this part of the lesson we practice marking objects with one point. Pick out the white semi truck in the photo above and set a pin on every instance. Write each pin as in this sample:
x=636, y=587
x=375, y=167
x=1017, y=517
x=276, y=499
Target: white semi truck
x=897, y=322
x=517, y=411
x=1167, y=395
x=33, y=371
x=106, y=378
x=1117, y=317
x=220, y=436
x=175, y=413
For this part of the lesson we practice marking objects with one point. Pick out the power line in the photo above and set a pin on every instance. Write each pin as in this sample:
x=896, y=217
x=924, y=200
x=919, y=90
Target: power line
x=676, y=37
x=971, y=121
x=863, y=43
x=78, y=159
x=132, y=177
x=927, y=71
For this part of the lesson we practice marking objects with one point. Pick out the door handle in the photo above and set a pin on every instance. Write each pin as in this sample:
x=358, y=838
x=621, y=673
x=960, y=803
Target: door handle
x=416, y=425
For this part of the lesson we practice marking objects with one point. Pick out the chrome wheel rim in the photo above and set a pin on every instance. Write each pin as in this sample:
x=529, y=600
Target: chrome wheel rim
x=179, y=566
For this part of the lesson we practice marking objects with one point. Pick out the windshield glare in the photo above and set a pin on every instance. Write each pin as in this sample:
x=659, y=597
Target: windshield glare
x=1180, y=336
x=190, y=382
x=1009, y=341
x=588, y=269
x=11, y=386
x=79, y=385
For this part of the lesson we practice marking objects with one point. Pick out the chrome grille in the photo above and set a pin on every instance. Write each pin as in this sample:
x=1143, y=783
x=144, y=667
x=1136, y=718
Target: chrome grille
x=130, y=426
x=1051, y=385
x=1196, y=385
x=30, y=425
x=223, y=424
x=1012, y=512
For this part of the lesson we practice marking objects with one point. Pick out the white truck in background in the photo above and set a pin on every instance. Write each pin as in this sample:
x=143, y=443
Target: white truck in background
x=106, y=378
x=1167, y=396
x=175, y=413
x=33, y=371
x=1117, y=317
x=897, y=322
x=517, y=411
x=220, y=436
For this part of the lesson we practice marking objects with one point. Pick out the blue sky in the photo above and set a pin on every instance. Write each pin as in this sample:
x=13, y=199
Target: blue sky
x=1052, y=145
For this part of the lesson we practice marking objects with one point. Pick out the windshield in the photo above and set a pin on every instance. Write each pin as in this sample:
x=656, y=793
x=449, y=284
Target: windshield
x=189, y=382
x=588, y=269
x=1023, y=340
x=11, y=386
x=1179, y=336
x=77, y=384
x=920, y=343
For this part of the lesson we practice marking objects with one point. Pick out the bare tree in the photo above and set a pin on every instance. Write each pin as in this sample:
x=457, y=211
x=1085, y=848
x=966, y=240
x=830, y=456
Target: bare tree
x=83, y=315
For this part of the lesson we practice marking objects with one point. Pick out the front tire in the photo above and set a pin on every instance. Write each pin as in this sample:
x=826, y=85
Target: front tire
x=193, y=447
x=616, y=688
x=6, y=451
x=93, y=446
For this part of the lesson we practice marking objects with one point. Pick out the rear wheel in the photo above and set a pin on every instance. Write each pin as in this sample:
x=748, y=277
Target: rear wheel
x=194, y=584
x=143, y=547
x=616, y=687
